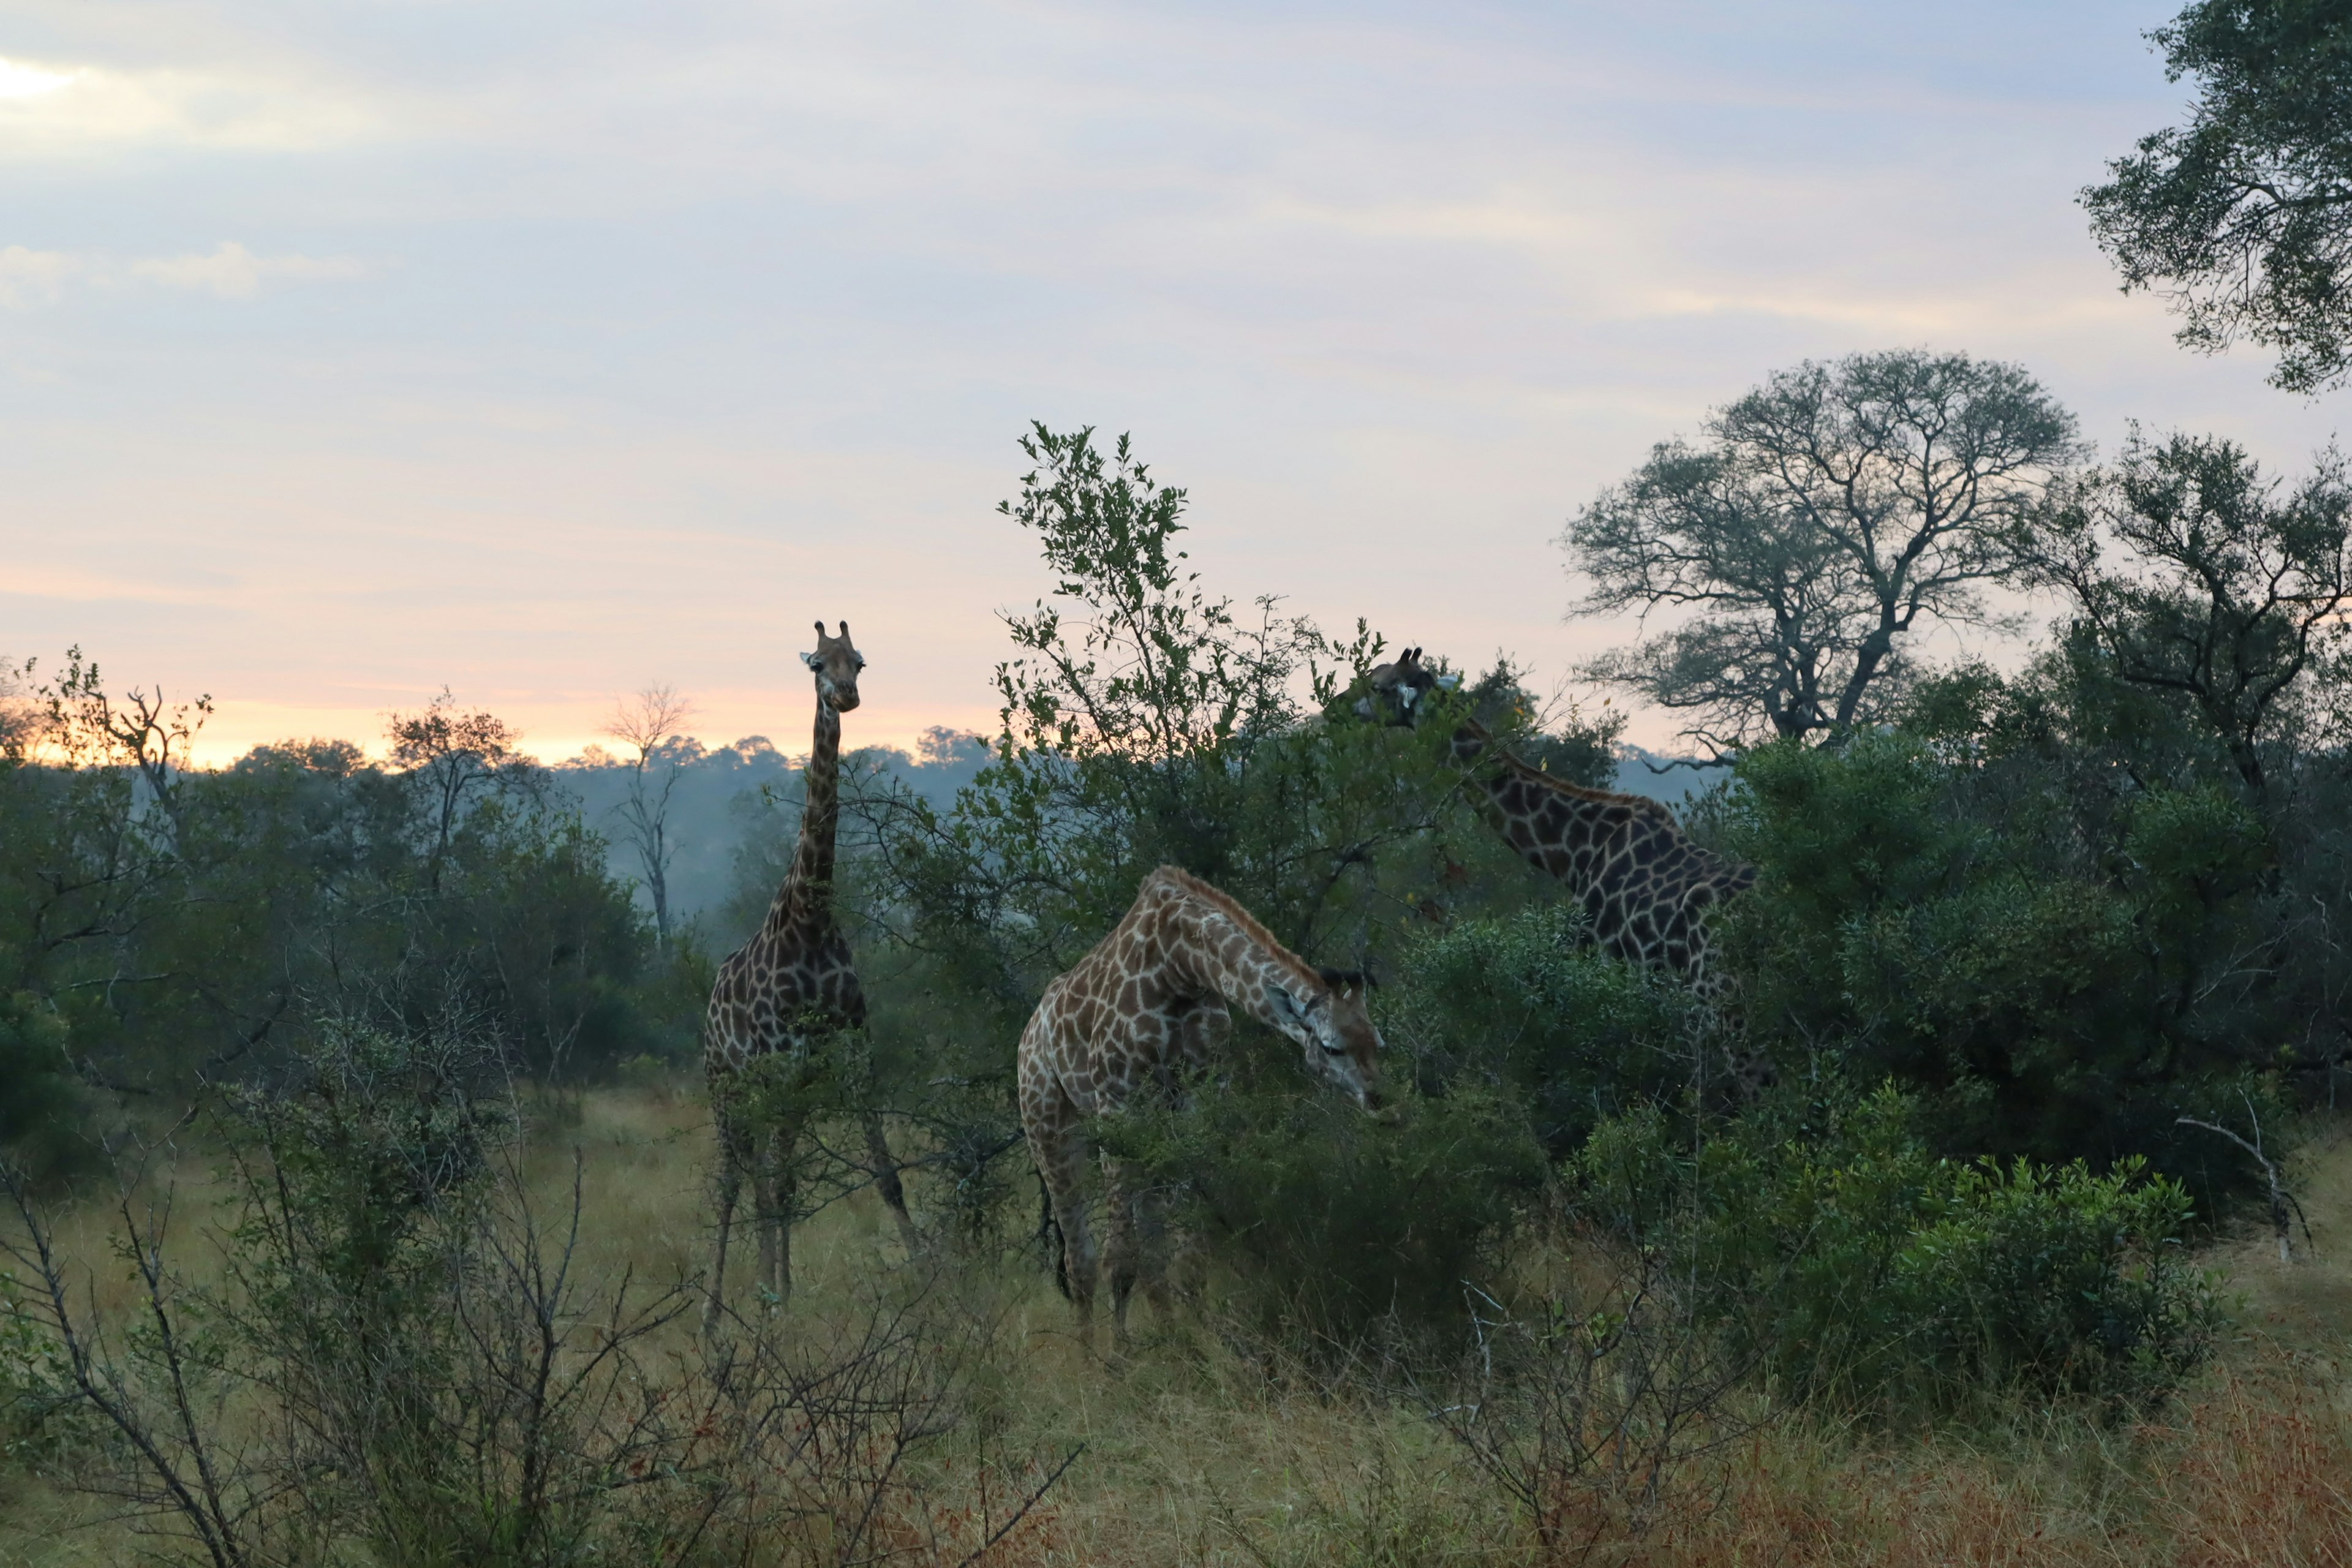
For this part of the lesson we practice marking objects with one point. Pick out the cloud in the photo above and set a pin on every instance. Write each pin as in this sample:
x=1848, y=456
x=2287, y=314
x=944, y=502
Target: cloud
x=30, y=277
x=232, y=272
x=53, y=110
x=19, y=79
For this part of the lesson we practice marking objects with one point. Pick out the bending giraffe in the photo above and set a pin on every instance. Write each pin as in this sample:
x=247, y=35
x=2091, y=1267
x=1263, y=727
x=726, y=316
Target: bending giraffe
x=1645, y=888
x=784, y=993
x=1148, y=1004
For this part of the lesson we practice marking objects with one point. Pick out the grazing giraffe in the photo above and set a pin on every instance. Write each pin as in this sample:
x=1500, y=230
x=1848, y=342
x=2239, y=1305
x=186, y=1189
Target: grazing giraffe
x=1144, y=1007
x=783, y=994
x=1645, y=887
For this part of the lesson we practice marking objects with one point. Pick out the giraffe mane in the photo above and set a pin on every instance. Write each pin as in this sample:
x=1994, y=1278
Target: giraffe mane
x=1225, y=904
x=1640, y=805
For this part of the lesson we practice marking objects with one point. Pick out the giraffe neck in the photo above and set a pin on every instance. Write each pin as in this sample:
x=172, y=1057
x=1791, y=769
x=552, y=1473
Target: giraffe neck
x=1237, y=959
x=1537, y=811
x=806, y=896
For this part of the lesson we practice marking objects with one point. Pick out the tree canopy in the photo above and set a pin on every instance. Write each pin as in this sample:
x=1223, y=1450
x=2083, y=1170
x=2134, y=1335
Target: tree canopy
x=2243, y=217
x=1828, y=513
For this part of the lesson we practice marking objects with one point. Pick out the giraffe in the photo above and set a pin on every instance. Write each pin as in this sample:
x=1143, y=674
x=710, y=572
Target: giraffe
x=781, y=995
x=1645, y=888
x=1146, y=1004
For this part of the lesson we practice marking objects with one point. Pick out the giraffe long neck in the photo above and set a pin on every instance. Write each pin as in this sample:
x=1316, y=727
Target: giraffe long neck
x=1221, y=955
x=1534, y=817
x=806, y=894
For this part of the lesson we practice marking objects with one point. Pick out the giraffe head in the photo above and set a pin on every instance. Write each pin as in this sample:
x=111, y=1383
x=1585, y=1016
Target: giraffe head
x=1335, y=1026
x=1394, y=692
x=835, y=665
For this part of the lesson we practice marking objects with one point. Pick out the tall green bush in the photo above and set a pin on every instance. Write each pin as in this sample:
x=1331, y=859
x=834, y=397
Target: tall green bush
x=1843, y=1257
x=1516, y=1005
x=1321, y=1225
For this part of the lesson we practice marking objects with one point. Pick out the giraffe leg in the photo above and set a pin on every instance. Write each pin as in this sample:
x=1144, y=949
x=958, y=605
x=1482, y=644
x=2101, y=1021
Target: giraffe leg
x=1060, y=1154
x=1119, y=1249
x=1077, y=1247
x=767, y=1202
x=1152, y=1249
x=734, y=1154
x=885, y=1179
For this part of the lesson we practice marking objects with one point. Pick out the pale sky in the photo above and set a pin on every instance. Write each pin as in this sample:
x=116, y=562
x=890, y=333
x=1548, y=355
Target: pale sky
x=548, y=351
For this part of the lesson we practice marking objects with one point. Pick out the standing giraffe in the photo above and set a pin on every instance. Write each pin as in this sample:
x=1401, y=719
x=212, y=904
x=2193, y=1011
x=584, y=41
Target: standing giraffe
x=1147, y=1005
x=784, y=993
x=1644, y=886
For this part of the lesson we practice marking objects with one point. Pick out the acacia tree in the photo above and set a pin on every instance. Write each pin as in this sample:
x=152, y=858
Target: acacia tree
x=1828, y=513
x=451, y=756
x=2227, y=589
x=138, y=730
x=647, y=723
x=2242, y=218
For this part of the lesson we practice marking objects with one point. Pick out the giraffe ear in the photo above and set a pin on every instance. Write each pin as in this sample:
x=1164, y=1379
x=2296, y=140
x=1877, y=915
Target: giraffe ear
x=1286, y=1007
x=1448, y=682
x=811, y=660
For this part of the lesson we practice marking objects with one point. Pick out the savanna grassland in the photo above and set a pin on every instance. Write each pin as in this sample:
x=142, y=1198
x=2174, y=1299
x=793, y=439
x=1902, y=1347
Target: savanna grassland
x=1991, y=1201
x=1195, y=1452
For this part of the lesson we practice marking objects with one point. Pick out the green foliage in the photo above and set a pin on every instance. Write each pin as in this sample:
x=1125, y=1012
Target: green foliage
x=186, y=925
x=41, y=1103
x=2240, y=217
x=2225, y=593
x=1146, y=722
x=1323, y=1225
x=1828, y=512
x=1929, y=919
x=1842, y=1256
x=1516, y=1005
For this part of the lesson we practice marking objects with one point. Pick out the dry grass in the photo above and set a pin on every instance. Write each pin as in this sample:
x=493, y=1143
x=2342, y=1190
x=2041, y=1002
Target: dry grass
x=1194, y=1457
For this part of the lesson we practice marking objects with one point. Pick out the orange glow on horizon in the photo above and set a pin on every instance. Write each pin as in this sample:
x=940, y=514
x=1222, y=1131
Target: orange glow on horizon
x=562, y=733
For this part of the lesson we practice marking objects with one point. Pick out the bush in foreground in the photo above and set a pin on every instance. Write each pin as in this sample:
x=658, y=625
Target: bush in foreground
x=1854, y=1265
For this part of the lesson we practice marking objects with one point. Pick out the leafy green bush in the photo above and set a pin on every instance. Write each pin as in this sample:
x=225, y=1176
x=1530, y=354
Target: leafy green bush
x=1321, y=1222
x=2055, y=984
x=1516, y=1005
x=1853, y=1263
x=40, y=1101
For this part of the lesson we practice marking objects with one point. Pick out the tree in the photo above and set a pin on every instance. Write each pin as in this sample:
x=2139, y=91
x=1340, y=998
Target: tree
x=2242, y=218
x=1830, y=510
x=2228, y=590
x=20, y=717
x=450, y=756
x=646, y=723
x=138, y=730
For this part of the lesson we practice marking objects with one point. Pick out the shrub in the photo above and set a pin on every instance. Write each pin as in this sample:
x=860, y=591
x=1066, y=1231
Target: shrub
x=40, y=1101
x=1856, y=1264
x=1322, y=1223
x=1515, y=1005
x=407, y=1360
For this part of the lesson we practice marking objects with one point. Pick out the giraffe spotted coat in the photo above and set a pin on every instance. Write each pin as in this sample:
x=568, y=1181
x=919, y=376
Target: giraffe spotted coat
x=1645, y=888
x=1149, y=1005
x=782, y=998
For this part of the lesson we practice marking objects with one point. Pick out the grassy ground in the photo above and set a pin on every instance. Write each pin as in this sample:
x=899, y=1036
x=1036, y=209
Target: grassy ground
x=1193, y=1456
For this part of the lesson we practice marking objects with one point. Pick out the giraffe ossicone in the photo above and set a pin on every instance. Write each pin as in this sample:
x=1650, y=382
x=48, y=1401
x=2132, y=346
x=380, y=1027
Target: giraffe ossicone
x=782, y=1003
x=1149, y=1005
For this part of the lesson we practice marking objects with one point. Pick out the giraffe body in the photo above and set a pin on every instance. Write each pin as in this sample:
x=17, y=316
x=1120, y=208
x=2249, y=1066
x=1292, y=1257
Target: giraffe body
x=1146, y=1006
x=780, y=1000
x=1645, y=888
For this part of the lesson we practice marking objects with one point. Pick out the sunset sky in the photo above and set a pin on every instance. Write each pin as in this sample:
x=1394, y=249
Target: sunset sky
x=546, y=351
